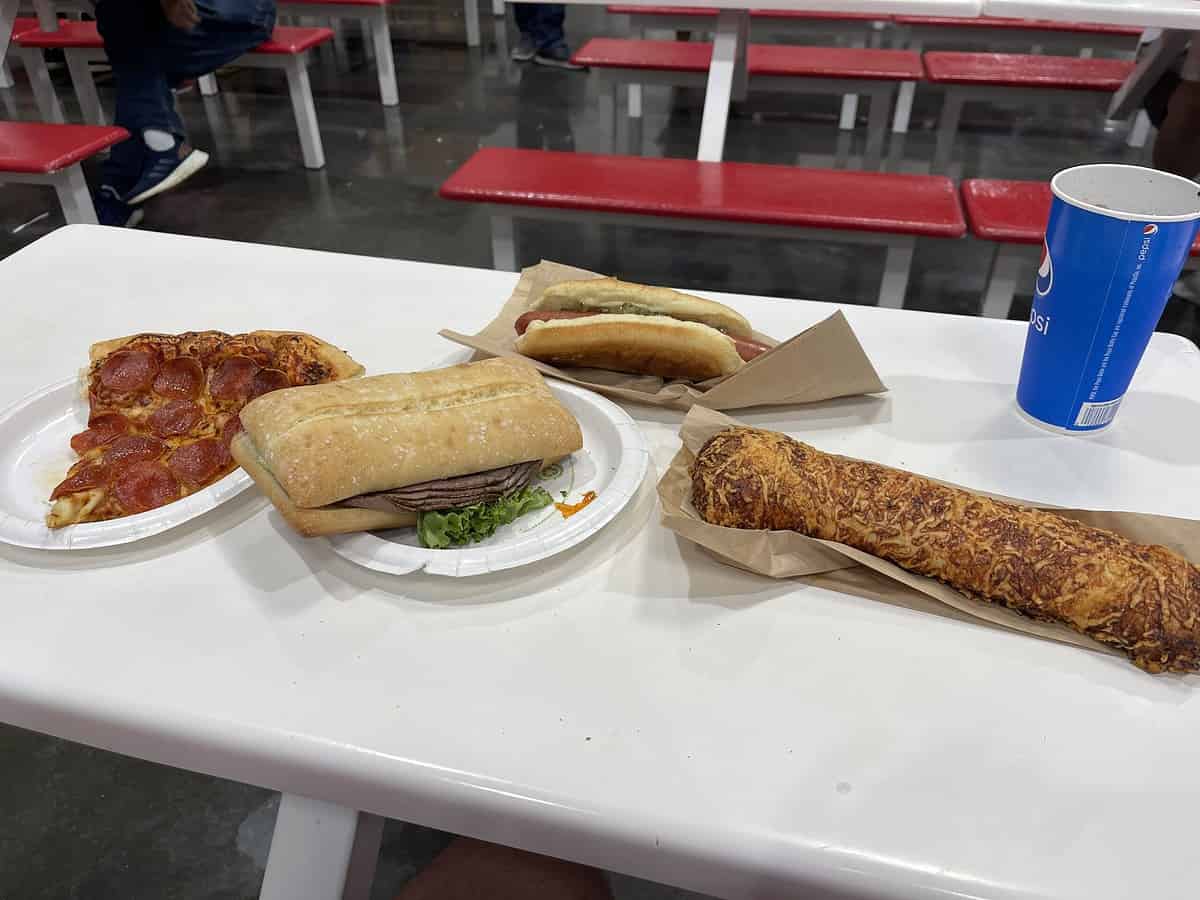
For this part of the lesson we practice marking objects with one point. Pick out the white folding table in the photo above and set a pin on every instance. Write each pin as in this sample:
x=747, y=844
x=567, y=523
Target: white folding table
x=727, y=70
x=631, y=703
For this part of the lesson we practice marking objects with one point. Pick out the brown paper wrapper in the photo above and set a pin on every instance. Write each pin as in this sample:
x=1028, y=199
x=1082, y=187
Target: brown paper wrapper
x=839, y=567
x=820, y=363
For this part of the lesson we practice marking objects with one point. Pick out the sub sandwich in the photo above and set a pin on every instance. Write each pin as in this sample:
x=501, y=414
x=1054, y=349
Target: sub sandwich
x=455, y=452
x=604, y=323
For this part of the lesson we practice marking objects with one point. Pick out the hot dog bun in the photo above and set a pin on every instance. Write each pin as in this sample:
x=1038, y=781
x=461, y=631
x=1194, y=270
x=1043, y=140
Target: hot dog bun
x=645, y=345
x=612, y=295
x=328, y=442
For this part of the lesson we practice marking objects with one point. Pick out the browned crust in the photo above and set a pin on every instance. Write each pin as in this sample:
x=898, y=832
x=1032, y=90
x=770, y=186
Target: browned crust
x=1143, y=600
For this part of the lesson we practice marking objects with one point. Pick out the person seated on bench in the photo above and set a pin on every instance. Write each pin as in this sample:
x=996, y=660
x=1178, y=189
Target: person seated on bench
x=154, y=46
x=542, y=37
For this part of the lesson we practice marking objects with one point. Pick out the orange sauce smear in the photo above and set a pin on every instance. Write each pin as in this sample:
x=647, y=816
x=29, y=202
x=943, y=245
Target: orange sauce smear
x=569, y=509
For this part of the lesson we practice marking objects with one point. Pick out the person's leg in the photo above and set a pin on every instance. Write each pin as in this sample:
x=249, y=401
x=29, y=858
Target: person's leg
x=1177, y=148
x=546, y=26
x=130, y=32
x=470, y=869
x=526, y=47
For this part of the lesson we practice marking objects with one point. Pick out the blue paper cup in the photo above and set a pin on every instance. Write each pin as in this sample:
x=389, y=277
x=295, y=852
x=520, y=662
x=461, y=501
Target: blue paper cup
x=1117, y=239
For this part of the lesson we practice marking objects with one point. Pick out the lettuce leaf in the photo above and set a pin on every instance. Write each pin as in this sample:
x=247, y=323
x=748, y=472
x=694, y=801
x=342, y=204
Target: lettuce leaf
x=452, y=527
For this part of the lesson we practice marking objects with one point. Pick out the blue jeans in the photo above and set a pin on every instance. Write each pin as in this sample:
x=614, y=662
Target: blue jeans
x=149, y=57
x=543, y=22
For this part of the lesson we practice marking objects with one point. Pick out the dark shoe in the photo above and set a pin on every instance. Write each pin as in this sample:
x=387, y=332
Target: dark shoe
x=166, y=170
x=112, y=210
x=525, y=49
x=558, y=57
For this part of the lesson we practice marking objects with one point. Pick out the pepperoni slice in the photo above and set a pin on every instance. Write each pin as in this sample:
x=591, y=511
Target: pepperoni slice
x=233, y=379
x=177, y=417
x=267, y=380
x=197, y=463
x=133, y=448
x=145, y=485
x=127, y=371
x=102, y=429
x=181, y=378
x=230, y=429
x=88, y=476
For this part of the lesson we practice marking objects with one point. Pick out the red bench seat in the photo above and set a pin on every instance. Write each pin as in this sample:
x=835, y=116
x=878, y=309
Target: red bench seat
x=711, y=12
x=920, y=205
x=1024, y=70
x=284, y=39
x=1006, y=24
x=38, y=148
x=761, y=59
x=1011, y=212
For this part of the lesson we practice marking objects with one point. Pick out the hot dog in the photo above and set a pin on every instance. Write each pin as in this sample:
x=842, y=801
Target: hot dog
x=609, y=324
x=747, y=349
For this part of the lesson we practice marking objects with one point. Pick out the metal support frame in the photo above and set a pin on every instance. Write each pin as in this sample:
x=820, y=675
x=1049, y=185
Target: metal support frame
x=71, y=187
x=1010, y=264
x=900, y=247
x=296, y=69
x=956, y=95
x=879, y=93
x=208, y=85
x=728, y=57
x=321, y=851
x=85, y=90
x=849, y=113
x=6, y=76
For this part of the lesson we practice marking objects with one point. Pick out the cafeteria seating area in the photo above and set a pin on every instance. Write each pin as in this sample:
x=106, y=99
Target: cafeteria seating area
x=80, y=822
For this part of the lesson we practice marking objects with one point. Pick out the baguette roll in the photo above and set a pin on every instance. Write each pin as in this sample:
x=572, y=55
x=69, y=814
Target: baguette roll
x=1143, y=600
x=325, y=443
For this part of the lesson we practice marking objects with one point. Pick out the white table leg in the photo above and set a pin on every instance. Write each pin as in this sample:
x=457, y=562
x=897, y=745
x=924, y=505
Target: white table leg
x=43, y=88
x=894, y=285
x=635, y=101
x=850, y=101
x=877, y=116
x=498, y=7
x=385, y=63
x=73, y=194
x=1156, y=58
x=208, y=85
x=47, y=18
x=728, y=47
x=904, y=105
x=947, y=130
x=6, y=76
x=321, y=851
x=504, y=244
x=471, y=11
x=1140, y=132
x=8, y=13
x=85, y=89
x=306, y=114
x=1008, y=266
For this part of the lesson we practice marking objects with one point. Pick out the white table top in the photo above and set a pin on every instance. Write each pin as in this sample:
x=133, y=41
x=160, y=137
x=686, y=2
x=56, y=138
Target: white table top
x=632, y=703
x=1146, y=13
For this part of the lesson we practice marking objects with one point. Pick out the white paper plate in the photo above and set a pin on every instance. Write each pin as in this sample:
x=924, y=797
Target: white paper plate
x=612, y=463
x=35, y=453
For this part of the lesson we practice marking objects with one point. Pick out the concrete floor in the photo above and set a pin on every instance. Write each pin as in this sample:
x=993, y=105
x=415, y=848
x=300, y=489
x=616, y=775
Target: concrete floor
x=81, y=823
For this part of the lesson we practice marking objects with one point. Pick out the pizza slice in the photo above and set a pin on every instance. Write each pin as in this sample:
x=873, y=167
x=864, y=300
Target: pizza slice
x=163, y=409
